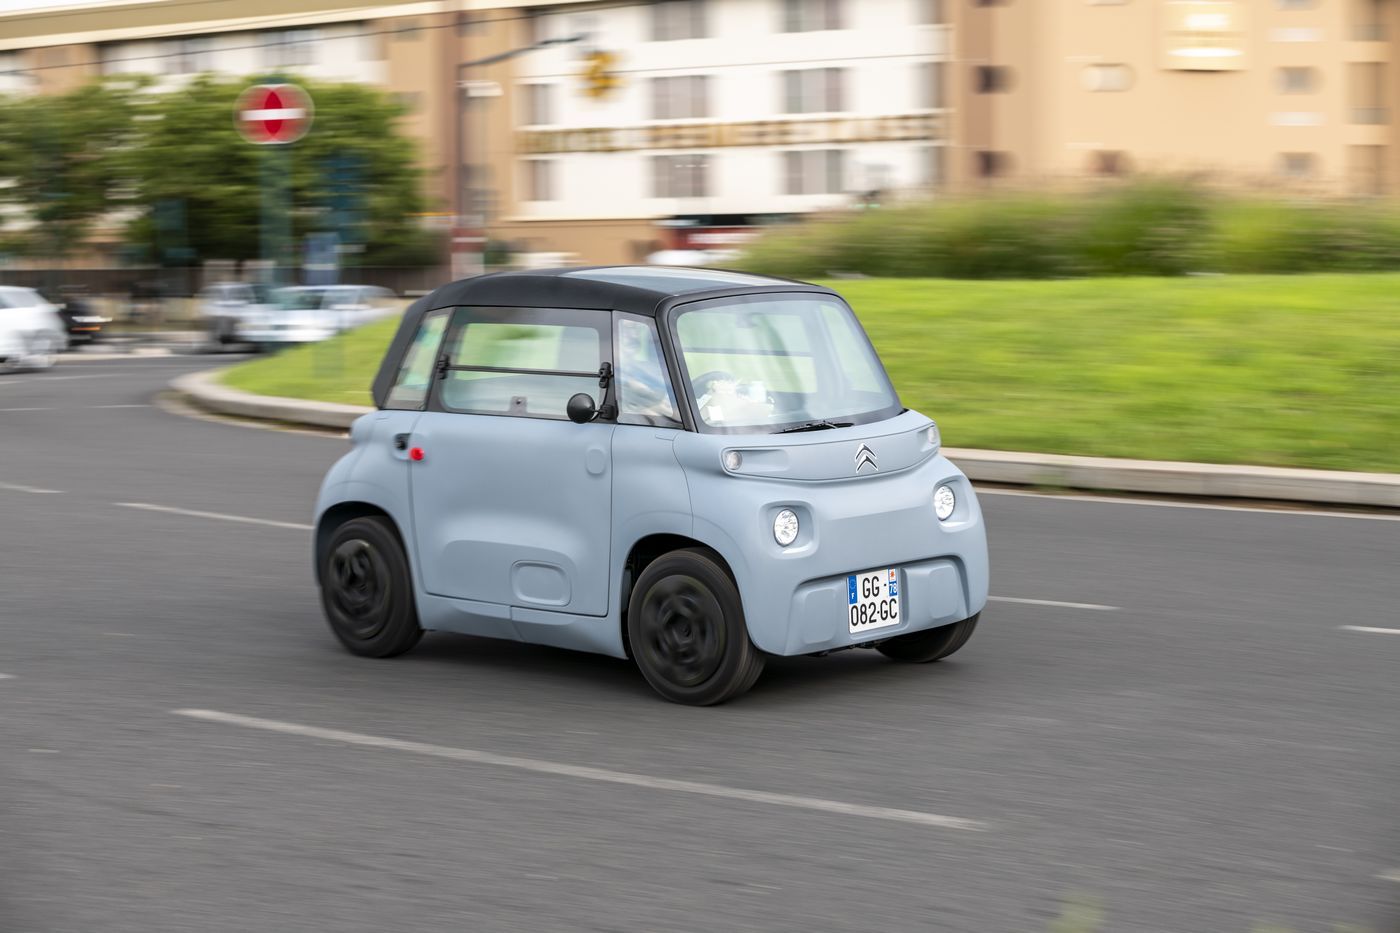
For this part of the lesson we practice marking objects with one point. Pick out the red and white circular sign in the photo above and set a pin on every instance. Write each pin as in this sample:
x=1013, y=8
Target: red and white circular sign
x=270, y=114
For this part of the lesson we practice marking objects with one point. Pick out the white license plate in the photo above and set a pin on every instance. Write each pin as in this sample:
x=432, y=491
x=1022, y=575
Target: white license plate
x=874, y=600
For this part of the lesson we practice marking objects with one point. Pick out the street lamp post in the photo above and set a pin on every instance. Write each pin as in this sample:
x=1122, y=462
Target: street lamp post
x=468, y=203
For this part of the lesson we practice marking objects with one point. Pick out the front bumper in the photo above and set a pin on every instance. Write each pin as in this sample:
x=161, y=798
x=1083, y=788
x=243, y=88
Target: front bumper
x=796, y=599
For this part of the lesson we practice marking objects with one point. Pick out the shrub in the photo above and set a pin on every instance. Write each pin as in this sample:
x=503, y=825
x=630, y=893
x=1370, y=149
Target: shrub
x=1156, y=227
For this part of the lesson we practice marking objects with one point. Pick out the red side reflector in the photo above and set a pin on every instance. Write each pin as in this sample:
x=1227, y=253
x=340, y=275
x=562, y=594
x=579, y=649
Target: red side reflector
x=415, y=453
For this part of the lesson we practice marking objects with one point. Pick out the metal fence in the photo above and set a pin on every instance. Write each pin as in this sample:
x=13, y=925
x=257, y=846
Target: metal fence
x=151, y=283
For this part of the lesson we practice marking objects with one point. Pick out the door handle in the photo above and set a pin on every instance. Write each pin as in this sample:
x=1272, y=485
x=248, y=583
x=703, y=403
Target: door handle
x=401, y=442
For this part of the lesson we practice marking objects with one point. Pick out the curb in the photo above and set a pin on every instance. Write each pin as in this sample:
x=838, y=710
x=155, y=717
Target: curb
x=203, y=390
x=1101, y=474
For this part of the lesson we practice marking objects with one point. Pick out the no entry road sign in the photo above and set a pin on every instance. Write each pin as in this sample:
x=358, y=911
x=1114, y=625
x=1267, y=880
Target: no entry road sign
x=271, y=114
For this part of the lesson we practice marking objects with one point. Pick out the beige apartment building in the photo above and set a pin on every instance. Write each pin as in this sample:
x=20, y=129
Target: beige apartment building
x=630, y=127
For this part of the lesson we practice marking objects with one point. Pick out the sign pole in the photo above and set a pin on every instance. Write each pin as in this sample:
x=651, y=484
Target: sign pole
x=274, y=115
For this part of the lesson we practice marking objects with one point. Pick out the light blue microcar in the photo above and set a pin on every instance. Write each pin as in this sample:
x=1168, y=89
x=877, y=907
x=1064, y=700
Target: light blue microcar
x=692, y=469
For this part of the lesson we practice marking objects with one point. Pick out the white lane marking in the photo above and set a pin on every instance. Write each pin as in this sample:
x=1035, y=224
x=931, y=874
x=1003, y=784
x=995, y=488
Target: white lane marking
x=583, y=773
x=1054, y=602
x=221, y=516
x=7, y=676
x=1160, y=504
x=76, y=407
x=1369, y=629
x=40, y=379
x=1392, y=875
x=37, y=490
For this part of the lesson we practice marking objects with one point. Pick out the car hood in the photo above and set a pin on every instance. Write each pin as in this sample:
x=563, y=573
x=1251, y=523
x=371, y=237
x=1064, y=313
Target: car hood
x=860, y=452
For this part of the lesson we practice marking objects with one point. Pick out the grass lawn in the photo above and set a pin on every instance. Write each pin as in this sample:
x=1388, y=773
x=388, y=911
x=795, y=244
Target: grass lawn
x=1279, y=370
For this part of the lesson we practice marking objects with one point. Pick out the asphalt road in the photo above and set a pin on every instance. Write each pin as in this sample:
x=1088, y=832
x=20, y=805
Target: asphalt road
x=1200, y=747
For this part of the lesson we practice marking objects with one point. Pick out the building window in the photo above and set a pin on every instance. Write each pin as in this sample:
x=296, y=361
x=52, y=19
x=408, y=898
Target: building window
x=680, y=176
x=680, y=97
x=1368, y=20
x=1107, y=77
x=678, y=19
x=540, y=179
x=289, y=47
x=1109, y=162
x=814, y=171
x=1297, y=165
x=1368, y=104
x=189, y=56
x=935, y=166
x=991, y=2
x=933, y=81
x=991, y=79
x=814, y=90
x=990, y=164
x=1297, y=80
x=933, y=12
x=1367, y=168
x=813, y=15
x=539, y=104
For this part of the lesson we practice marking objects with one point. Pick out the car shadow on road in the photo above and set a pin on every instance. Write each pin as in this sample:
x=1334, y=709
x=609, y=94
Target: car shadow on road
x=785, y=681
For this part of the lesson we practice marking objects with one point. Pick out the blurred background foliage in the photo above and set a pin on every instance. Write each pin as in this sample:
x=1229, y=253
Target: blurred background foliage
x=170, y=173
x=1146, y=227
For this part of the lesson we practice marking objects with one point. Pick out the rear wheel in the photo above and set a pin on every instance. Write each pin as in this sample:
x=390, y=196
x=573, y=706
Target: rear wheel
x=366, y=589
x=936, y=643
x=685, y=622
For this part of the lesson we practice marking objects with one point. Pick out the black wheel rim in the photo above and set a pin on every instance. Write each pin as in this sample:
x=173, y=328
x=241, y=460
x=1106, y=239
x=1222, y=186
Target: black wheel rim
x=359, y=587
x=682, y=631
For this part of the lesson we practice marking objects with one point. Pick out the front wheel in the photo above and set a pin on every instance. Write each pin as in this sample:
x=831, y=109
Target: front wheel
x=366, y=589
x=936, y=643
x=42, y=352
x=685, y=621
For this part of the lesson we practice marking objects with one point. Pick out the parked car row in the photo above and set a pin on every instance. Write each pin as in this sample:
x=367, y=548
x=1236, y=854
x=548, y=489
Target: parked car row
x=252, y=313
x=32, y=331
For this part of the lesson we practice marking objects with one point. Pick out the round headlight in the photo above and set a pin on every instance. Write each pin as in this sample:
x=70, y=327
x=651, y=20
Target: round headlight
x=933, y=438
x=944, y=502
x=733, y=460
x=785, y=527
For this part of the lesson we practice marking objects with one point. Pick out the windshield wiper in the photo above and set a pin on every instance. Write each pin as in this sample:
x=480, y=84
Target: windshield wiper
x=819, y=425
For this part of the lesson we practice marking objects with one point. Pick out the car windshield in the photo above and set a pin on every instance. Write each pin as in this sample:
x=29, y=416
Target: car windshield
x=299, y=299
x=765, y=364
x=18, y=298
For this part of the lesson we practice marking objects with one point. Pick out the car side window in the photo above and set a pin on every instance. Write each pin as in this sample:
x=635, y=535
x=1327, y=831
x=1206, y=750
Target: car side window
x=525, y=362
x=644, y=390
x=415, y=377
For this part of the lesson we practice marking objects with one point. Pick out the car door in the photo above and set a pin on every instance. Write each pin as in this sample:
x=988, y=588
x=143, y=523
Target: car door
x=511, y=500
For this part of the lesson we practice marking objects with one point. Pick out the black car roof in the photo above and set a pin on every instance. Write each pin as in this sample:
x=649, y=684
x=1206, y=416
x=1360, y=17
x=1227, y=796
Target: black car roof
x=639, y=289
x=647, y=290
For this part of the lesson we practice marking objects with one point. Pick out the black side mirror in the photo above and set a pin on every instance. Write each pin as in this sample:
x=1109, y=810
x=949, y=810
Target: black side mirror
x=581, y=409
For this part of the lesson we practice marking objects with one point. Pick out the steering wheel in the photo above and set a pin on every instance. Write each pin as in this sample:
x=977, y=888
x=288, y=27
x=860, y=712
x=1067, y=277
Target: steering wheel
x=702, y=382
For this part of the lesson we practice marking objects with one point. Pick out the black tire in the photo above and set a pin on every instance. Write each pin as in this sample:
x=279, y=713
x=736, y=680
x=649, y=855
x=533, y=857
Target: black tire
x=366, y=589
x=936, y=643
x=685, y=623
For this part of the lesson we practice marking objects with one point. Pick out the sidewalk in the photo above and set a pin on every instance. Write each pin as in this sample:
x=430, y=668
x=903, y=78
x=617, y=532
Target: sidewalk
x=1100, y=474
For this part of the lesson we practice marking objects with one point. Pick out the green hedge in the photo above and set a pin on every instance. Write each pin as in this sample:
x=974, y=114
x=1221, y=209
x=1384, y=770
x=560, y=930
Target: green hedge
x=1153, y=227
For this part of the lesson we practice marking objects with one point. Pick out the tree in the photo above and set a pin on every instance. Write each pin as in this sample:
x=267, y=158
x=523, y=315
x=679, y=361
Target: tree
x=57, y=160
x=200, y=184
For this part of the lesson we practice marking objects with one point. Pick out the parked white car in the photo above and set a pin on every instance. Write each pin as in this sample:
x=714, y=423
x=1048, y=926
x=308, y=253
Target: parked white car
x=224, y=305
x=307, y=313
x=32, y=333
